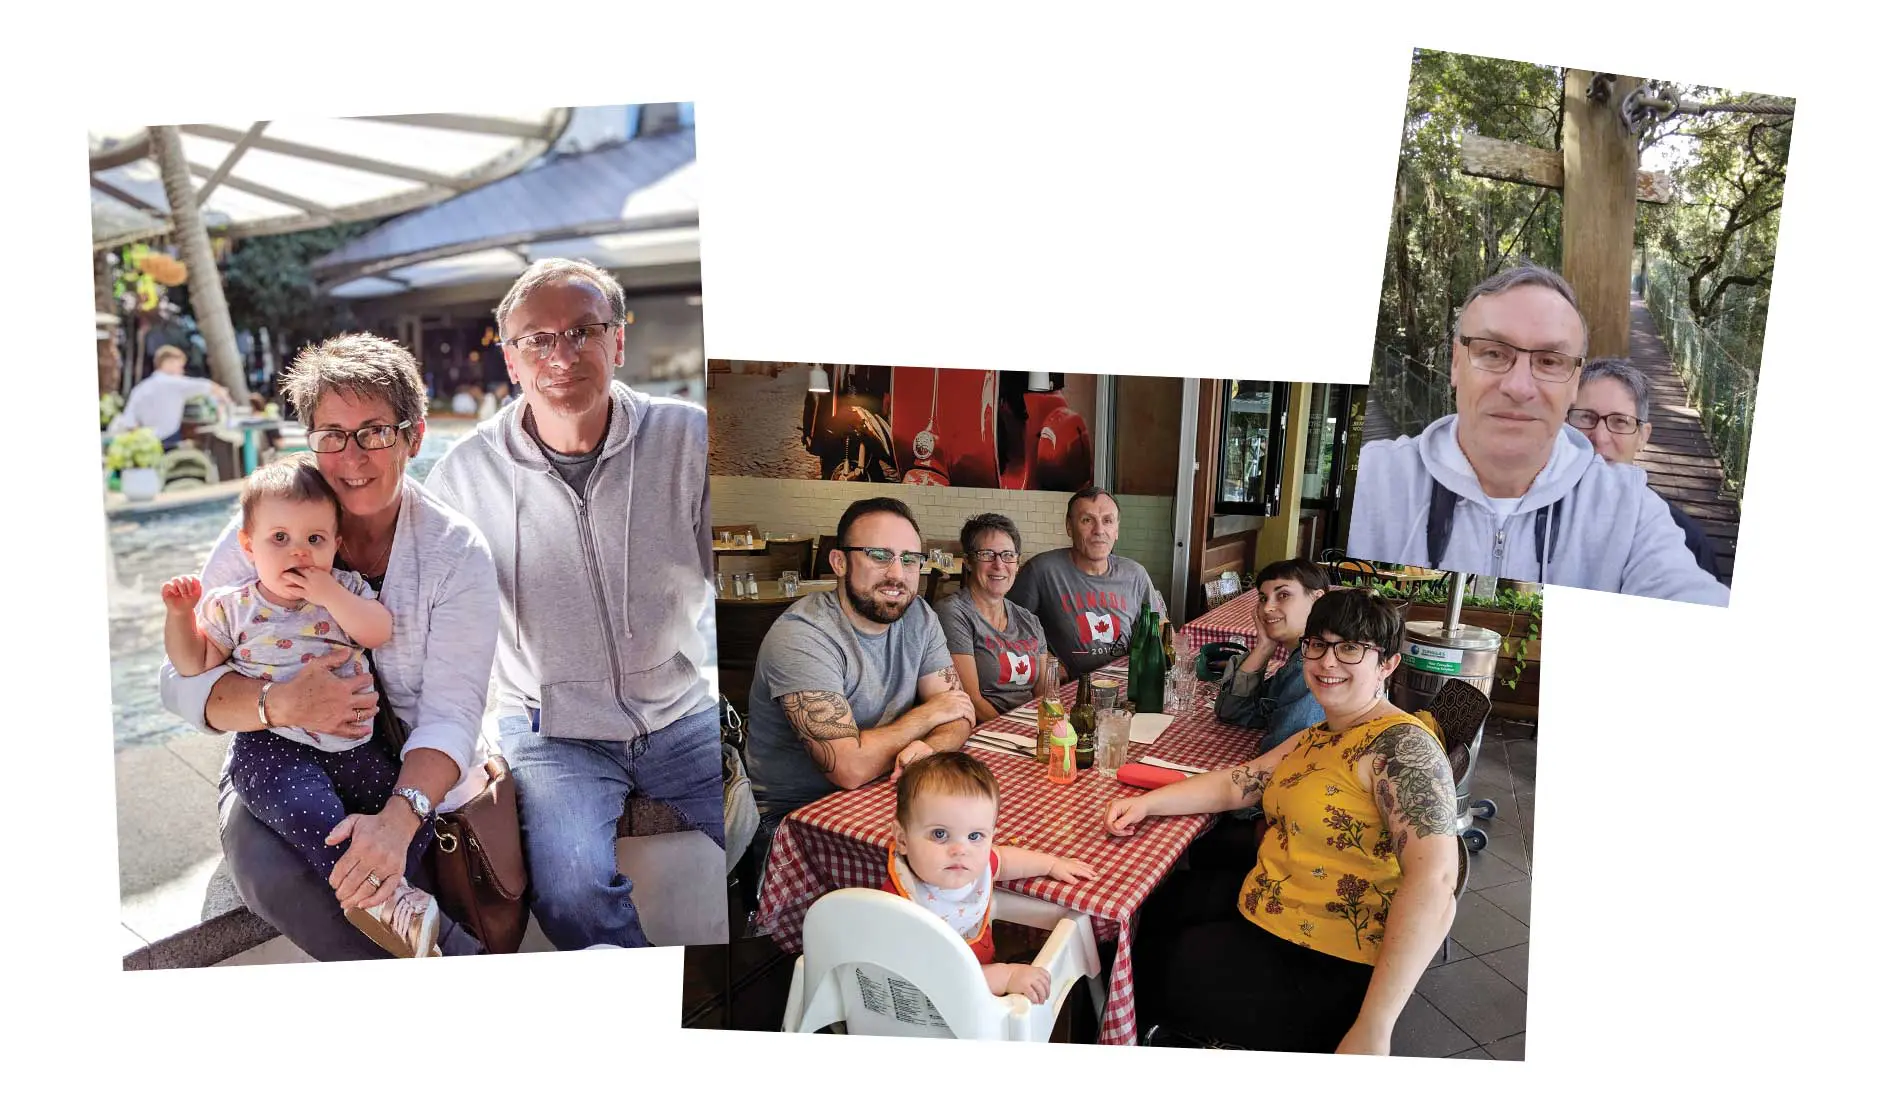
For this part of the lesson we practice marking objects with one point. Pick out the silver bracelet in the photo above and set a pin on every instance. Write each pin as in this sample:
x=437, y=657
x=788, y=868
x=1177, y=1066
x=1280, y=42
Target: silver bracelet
x=261, y=705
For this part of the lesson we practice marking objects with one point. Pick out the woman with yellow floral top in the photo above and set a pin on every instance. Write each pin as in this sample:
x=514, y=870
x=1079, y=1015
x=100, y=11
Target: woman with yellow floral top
x=1305, y=954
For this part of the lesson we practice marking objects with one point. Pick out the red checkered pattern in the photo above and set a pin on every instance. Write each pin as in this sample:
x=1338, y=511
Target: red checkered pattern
x=841, y=842
x=1232, y=621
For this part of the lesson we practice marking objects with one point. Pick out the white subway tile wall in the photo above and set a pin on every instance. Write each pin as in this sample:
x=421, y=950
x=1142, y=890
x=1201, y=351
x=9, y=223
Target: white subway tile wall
x=812, y=506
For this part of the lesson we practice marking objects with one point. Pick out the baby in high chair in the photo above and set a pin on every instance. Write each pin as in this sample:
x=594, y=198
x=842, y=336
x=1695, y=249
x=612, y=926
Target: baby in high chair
x=944, y=860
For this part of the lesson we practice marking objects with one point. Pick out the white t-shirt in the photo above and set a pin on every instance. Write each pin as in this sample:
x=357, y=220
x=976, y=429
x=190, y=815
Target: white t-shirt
x=157, y=403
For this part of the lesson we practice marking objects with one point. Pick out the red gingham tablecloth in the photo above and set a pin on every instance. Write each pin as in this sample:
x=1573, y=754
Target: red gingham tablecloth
x=1231, y=621
x=841, y=841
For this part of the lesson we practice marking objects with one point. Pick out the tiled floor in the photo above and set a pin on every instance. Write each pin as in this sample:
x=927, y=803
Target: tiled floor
x=1474, y=1003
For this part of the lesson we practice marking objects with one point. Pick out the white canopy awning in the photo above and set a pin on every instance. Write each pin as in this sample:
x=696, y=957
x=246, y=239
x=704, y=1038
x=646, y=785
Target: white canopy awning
x=287, y=175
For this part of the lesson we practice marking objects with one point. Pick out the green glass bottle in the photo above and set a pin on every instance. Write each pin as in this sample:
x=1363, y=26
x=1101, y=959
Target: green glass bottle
x=1084, y=722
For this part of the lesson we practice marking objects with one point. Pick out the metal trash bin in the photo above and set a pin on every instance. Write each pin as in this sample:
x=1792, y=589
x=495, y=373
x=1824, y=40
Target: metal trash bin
x=1431, y=655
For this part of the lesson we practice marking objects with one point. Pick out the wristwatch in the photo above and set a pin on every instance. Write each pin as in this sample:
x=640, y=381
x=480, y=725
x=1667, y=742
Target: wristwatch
x=422, y=806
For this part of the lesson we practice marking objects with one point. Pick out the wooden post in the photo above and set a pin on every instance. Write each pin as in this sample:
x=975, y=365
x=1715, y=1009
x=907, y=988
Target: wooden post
x=1600, y=218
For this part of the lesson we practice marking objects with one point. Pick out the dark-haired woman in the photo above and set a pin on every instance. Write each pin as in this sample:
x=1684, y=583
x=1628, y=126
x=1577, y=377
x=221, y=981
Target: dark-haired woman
x=1305, y=953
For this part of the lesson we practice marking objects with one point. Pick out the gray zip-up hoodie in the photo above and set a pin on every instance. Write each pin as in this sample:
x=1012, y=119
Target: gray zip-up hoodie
x=602, y=594
x=1603, y=527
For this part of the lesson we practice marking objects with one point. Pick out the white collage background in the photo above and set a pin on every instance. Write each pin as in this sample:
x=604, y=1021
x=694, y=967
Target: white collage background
x=1165, y=189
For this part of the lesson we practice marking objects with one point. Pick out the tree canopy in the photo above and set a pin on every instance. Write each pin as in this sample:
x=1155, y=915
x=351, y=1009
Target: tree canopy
x=1450, y=230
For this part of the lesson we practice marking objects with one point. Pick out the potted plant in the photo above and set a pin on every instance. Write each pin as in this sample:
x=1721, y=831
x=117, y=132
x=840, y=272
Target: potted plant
x=135, y=456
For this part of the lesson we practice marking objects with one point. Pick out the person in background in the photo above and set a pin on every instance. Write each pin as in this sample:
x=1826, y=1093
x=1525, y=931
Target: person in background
x=1266, y=690
x=1613, y=411
x=156, y=403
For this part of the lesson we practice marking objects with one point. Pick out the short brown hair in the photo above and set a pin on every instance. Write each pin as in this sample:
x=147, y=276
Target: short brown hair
x=293, y=479
x=370, y=367
x=167, y=353
x=952, y=774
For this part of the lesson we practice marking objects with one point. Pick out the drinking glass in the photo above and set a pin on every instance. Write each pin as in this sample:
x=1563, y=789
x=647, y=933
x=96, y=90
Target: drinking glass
x=1181, y=688
x=1107, y=691
x=1113, y=728
x=789, y=582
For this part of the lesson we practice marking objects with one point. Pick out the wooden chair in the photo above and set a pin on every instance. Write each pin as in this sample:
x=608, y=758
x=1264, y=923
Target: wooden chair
x=740, y=628
x=821, y=556
x=788, y=555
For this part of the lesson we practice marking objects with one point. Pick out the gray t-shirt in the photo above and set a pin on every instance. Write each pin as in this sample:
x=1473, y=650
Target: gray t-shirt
x=573, y=468
x=1088, y=619
x=814, y=648
x=1005, y=660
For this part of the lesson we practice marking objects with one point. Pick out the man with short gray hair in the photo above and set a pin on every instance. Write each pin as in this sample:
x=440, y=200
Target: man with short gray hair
x=1613, y=411
x=1503, y=488
x=593, y=497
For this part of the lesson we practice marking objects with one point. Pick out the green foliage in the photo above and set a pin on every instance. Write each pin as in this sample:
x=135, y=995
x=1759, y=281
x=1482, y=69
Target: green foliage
x=1448, y=230
x=268, y=283
x=109, y=405
x=134, y=449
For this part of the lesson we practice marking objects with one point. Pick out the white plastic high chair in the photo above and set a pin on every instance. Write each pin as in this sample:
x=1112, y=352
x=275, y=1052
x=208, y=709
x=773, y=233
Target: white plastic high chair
x=883, y=965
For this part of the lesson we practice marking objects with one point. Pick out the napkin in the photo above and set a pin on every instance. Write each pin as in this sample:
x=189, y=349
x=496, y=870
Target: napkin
x=1137, y=775
x=1147, y=727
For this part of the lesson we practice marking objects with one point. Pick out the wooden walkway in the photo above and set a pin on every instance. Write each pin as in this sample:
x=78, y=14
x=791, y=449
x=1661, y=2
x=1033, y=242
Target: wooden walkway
x=1682, y=464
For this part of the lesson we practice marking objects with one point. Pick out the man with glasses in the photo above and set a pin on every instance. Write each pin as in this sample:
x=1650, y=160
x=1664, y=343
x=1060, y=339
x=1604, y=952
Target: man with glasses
x=853, y=683
x=1613, y=411
x=1503, y=488
x=1085, y=595
x=594, y=499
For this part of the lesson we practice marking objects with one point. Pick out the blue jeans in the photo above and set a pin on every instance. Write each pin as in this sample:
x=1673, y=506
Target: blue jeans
x=570, y=795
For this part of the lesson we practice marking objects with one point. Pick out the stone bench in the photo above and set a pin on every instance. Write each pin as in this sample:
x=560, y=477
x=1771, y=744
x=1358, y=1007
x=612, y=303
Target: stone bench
x=680, y=880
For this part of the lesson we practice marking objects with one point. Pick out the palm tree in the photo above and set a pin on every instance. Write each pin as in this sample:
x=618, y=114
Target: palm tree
x=206, y=286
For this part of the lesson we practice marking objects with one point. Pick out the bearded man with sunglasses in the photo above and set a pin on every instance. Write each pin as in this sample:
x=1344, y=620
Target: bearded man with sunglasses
x=593, y=497
x=857, y=682
x=1504, y=488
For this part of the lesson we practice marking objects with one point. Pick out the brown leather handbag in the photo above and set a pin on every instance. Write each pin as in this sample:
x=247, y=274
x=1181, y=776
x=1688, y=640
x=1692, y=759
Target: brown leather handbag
x=477, y=859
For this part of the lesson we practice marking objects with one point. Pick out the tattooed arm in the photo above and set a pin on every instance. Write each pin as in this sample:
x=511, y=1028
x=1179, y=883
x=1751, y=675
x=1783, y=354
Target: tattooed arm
x=1205, y=794
x=1413, y=786
x=850, y=757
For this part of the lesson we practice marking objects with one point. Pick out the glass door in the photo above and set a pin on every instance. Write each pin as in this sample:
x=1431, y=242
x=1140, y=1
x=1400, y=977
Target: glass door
x=1251, y=448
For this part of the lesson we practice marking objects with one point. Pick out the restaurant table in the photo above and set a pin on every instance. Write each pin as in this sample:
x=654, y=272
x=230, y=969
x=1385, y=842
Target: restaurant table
x=771, y=594
x=1235, y=620
x=843, y=840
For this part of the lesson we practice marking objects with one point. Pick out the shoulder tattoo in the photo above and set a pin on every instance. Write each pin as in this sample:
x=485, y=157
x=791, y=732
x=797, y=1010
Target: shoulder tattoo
x=1414, y=783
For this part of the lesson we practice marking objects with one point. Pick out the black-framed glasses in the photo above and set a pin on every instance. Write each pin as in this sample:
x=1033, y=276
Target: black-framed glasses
x=1006, y=557
x=1490, y=355
x=1617, y=422
x=1347, y=652
x=539, y=346
x=377, y=437
x=909, y=559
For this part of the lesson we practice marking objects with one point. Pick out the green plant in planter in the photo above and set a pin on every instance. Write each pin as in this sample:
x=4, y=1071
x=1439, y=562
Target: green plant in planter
x=135, y=449
x=109, y=405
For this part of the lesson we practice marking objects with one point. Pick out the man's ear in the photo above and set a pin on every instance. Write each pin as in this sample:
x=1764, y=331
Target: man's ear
x=1645, y=430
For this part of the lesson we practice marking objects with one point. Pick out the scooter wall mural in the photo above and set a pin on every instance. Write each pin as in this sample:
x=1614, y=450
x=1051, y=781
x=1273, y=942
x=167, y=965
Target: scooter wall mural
x=967, y=428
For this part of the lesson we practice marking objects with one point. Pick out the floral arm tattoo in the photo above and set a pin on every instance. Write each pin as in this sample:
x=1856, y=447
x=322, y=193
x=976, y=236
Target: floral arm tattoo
x=820, y=718
x=951, y=678
x=1414, y=785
